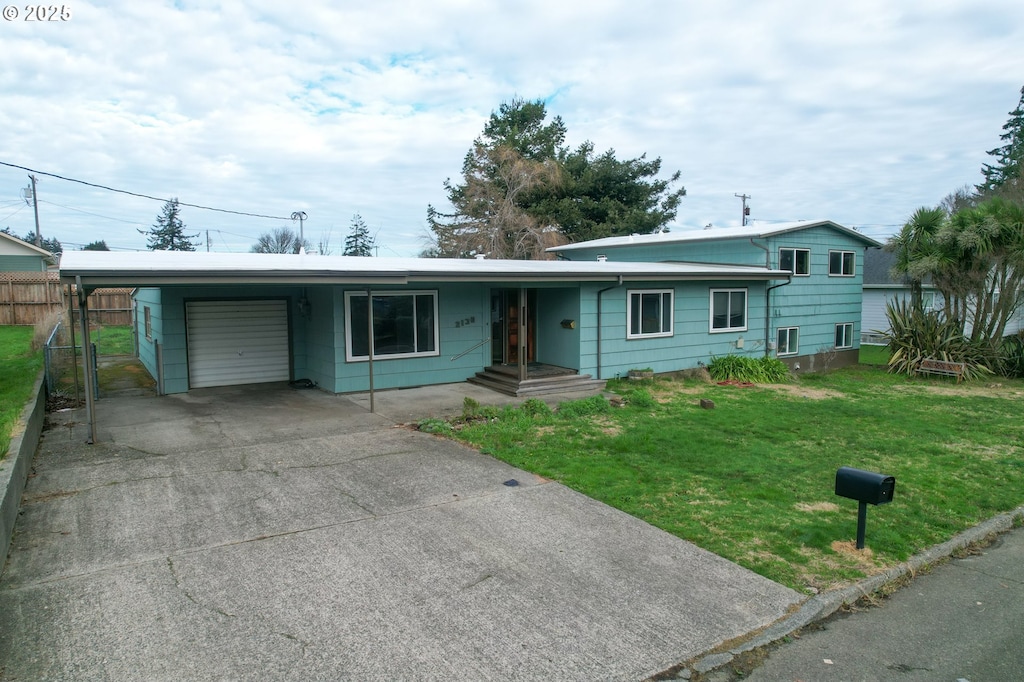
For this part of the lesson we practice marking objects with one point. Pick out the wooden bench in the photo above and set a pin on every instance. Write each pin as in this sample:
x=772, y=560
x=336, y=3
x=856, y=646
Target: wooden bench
x=943, y=367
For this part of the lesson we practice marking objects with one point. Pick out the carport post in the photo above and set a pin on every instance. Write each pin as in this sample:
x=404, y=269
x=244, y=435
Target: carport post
x=87, y=361
x=369, y=335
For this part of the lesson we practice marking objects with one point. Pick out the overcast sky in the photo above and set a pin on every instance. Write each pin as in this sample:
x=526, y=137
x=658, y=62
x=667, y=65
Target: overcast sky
x=858, y=112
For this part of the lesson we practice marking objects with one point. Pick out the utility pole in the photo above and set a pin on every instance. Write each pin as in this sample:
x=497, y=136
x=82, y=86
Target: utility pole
x=207, y=241
x=746, y=210
x=301, y=217
x=35, y=207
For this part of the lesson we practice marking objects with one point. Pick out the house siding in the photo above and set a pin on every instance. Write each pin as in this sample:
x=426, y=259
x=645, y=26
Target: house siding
x=691, y=342
x=11, y=263
x=815, y=303
x=150, y=298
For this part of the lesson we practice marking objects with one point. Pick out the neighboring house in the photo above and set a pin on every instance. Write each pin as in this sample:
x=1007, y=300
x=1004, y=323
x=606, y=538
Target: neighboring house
x=220, y=319
x=880, y=288
x=19, y=256
x=811, y=319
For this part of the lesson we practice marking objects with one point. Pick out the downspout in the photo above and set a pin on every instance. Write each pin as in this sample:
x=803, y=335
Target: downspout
x=599, y=327
x=768, y=296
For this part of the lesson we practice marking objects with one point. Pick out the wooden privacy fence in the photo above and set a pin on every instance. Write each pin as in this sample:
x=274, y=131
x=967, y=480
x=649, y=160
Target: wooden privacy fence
x=28, y=297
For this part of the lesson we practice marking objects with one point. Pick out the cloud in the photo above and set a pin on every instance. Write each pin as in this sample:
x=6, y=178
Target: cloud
x=859, y=113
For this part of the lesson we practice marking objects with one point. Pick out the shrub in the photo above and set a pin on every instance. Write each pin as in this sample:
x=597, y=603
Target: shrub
x=584, y=407
x=535, y=407
x=43, y=328
x=639, y=398
x=1012, y=356
x=915, y=335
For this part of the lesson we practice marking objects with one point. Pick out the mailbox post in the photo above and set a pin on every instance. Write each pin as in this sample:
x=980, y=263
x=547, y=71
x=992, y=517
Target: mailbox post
x=867, y=487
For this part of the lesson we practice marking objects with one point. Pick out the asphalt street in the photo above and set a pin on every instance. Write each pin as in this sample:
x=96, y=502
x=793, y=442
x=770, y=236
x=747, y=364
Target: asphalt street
x=960, y=621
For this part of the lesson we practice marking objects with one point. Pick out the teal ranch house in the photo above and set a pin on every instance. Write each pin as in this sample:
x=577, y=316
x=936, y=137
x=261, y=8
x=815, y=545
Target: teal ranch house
x=666, y=301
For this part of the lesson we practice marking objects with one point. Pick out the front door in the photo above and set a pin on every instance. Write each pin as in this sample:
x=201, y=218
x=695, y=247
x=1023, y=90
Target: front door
x=510, y=337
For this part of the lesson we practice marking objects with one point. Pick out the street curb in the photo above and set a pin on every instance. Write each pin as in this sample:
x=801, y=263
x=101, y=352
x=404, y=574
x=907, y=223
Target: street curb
x=823, y=605
x=14, y=466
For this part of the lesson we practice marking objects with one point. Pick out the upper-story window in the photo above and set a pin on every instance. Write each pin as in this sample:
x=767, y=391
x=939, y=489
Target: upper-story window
x=797, y=261
x=840, y=263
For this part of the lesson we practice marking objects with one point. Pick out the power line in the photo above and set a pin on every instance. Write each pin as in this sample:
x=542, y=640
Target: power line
x=143, y=196
x=72, y=208
x=13, y=214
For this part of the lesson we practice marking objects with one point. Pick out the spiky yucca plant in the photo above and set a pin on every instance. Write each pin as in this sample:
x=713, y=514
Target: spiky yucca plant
x=915, y=335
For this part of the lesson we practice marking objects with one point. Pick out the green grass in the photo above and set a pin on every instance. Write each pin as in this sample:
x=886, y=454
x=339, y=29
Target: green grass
x=19, y=367
x=874, y=355
x=113, y=340
x=752, y=479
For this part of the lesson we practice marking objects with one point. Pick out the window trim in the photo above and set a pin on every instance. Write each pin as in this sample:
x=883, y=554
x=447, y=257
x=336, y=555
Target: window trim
x=349, y=295
x=842, y=263
x=847, y=337
x=711, y=310
x=147, y=316
x=796, y=249
x=670, y=310
x=789, y=333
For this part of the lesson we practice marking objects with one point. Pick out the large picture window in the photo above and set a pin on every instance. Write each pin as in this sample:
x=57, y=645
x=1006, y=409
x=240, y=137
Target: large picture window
x=728, y=310
x=404, y=325
x=840, y=263
x=650, y=313
x=797, y=261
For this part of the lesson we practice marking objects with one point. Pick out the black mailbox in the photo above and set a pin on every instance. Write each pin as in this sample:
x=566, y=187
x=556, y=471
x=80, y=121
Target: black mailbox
x=865, y=486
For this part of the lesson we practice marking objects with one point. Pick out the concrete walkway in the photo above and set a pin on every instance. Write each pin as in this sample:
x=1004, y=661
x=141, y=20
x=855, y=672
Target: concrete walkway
x=270, y=533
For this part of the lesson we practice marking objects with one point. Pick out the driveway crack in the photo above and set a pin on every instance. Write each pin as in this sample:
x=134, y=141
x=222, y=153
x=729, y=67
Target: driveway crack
x=188, y=595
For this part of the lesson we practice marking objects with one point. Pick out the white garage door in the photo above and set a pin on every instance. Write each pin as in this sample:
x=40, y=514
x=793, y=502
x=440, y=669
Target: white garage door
x=236, y=342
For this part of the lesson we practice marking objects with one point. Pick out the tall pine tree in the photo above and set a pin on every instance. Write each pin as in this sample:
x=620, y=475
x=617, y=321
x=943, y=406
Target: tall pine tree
x=358, y=242
x=168, y=233
x=524, y=190
x=1006, y=171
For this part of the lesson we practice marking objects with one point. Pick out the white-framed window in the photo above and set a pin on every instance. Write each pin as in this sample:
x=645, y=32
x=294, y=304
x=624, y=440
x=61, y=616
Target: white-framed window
x=649, y=312
x=728, y=310
x=148, y=316
x=797, y=261
x=404, y=325
x=787, y=341
x=844, y=335
x=928, y=301
x=841, y=263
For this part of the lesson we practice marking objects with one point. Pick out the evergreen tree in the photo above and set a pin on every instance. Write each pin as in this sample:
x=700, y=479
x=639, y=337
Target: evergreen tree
x=51, y=244
x=168, y=233
x=358, y=242
x=281, y=240
x=100, y=245
x=523, y=190
x=1006, y=171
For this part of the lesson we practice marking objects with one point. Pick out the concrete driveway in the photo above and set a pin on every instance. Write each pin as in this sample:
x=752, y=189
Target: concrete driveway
x=268, y=533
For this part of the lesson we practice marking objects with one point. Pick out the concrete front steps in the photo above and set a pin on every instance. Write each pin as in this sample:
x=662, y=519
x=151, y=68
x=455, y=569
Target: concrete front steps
x=541, y=380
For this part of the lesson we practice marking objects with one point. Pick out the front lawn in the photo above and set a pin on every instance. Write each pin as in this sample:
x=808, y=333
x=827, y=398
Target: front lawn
x=753, y=478
x=19, y=367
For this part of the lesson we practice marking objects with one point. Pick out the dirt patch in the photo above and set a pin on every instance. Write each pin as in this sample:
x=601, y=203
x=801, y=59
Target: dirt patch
x=804, y=391
x=817, y=507
x=863, y=557
x=988, y=388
